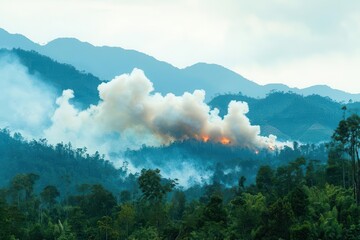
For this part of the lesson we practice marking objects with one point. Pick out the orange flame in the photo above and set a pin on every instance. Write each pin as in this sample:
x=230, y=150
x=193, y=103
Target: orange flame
x=225, y=140
x=205, y=138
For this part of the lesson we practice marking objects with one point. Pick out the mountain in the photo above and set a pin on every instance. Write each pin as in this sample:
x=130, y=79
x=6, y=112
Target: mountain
x=108, y=62
x=218, y=79
x=291, y=116
x=9, y=41
x=59, y=76
x=166, y=78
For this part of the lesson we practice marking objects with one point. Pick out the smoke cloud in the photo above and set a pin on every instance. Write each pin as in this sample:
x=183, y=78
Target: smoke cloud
x=130, y=114
x=26, y=102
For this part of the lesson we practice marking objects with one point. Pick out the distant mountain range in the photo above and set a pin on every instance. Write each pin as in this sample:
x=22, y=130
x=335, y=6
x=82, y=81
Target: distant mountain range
x=58, y=75
x=107, y=62
x=287, y=115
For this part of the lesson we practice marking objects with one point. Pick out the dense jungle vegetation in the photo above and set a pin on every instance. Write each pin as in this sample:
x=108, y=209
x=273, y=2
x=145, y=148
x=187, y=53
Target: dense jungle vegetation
x=302, y=199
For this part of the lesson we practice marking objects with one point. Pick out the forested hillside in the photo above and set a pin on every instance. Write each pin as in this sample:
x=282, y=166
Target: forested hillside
x=303, y=199
x=225, y=163
x=60, y=165
x=291, y=116
x=58, y=75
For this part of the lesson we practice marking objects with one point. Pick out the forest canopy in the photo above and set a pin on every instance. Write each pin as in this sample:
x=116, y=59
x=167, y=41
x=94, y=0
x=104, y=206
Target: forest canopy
x=303, y=198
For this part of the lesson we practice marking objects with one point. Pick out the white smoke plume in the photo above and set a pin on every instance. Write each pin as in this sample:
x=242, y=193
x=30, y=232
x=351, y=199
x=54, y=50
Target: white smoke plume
x=26, y=102
x=130, y=114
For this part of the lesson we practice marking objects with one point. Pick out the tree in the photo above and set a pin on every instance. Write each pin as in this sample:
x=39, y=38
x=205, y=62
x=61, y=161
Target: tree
x=299, y=201
x=348, y=134
x=151, y=186
x=11, y=222
x=99, y=202
x=105, y=225
x=78, y=222
x=277, y=221
x=241, y=185
x=178, y=203
x=329, y=226
x=125, y=196
x=22, y=186
x=245, y=215
x=126, y=217
x=213, y=221
x=214, y=210
x=49, y=195
x=153, y=192
x=145, y=233
x=265, y=179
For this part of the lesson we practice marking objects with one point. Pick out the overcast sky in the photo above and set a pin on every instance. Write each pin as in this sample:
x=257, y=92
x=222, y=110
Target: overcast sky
x=299, y=43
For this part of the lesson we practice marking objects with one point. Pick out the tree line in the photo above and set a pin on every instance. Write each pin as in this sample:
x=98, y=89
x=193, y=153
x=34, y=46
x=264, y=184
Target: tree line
x=303, y=199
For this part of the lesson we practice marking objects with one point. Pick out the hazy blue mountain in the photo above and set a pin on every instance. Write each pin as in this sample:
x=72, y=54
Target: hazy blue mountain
x=216, y=79
x=60, y=76
x=324, y=90
x=107, y=62
x=291, y=116
x=9, y=41
x=166, y=78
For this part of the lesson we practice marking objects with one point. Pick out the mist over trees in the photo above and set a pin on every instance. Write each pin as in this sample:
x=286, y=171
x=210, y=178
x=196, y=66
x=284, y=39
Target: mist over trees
x=289, y=115
x=208, y=172
x=60, y=165
x=190, y=188
x=226, y=162
x=293, y=195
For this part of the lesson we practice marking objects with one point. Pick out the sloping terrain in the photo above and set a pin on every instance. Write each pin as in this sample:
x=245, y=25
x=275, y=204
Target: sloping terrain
x=291, y=116
x=108, y=62
x=60, y=76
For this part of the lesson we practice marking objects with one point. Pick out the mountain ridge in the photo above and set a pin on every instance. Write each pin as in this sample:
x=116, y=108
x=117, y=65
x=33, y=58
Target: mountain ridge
x=107, y=62
x=289, y=116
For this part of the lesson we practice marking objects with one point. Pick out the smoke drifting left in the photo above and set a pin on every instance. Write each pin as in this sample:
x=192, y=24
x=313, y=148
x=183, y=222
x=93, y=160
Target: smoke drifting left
x=131, y=114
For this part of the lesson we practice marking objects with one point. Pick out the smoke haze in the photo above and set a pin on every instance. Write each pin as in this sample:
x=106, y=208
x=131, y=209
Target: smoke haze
x=130, y=114
x=26, y=102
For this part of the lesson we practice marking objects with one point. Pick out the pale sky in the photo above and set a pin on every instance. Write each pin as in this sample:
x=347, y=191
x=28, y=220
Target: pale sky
x=298, y=43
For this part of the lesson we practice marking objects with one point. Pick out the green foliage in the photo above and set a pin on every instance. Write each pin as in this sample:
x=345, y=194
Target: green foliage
x=302, y=231
x=265, y=179
x=347, y=134
x=299, y=212
x=126, y=218
x=278, y=220
x=329, y=226
x=49, y=195
x=151, y=186
x=61, y=166
x=294, y=201
x=245, y=214
x=145, y=233
x=299, y=201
